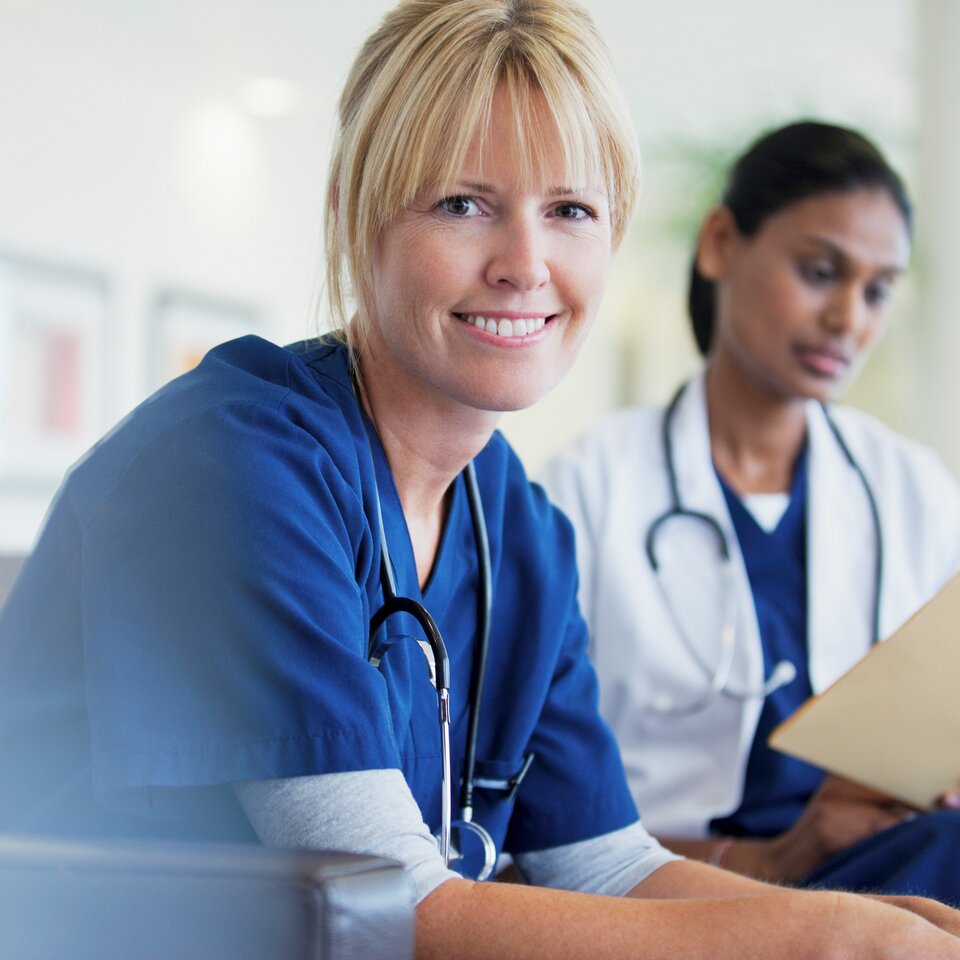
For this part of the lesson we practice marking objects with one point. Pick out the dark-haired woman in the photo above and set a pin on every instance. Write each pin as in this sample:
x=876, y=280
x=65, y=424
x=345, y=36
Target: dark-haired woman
x=837, y=530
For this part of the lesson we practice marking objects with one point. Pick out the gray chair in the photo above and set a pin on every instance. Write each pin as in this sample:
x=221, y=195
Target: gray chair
x=71, y=900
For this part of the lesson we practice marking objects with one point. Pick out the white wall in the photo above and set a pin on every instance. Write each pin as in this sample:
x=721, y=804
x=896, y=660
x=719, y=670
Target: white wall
x=936, y=386
x=128, y=152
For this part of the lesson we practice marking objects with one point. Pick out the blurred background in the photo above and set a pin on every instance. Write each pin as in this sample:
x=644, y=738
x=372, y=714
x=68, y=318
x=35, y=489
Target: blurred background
x=163, y=164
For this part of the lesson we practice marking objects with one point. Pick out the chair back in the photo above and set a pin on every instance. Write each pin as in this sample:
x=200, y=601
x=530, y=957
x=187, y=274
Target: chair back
x=9, y=568
x=67, y=900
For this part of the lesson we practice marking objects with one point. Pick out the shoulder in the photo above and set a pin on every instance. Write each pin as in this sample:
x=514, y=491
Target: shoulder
x=622, y=450
x=528, y=523
x=247, y=422
x=614, y=436
x=895, y=462
x=505, y=486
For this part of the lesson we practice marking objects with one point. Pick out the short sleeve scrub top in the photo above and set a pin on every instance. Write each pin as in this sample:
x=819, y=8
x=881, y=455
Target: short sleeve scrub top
x=196, y=612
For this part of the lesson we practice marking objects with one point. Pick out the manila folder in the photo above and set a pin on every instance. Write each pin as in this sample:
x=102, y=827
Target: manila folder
x=892, y=722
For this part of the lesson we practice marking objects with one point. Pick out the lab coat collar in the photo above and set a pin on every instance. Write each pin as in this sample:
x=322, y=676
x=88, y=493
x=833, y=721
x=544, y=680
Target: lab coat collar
x=841, y=547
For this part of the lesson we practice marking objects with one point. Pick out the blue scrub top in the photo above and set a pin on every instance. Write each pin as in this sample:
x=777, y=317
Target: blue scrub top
x=777, y=787
x=196, y=612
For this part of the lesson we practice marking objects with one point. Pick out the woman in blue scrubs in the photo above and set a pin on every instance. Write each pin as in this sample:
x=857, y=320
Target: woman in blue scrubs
x=186, y=651
x=838, y=530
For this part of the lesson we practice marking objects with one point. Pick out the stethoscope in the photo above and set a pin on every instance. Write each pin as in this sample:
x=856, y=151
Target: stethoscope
x=438, y=662
x=718, y=674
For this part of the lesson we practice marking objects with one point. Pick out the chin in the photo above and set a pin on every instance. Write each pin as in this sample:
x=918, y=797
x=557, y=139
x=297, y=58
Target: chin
x=834, y=387
x=509, y=397
x=820, y=390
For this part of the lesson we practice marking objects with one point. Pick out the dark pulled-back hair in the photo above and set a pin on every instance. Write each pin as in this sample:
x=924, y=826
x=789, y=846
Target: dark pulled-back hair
x=783, y=167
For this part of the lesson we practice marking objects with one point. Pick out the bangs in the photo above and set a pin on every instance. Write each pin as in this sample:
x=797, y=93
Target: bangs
x=537, y=137
x=427, y=154
x=421, y=93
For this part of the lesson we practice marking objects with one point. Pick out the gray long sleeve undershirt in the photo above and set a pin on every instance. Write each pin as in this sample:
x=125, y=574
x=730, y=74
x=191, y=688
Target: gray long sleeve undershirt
x=373, y=811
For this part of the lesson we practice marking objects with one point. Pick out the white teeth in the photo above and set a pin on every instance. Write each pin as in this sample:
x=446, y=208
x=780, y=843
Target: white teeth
x=505, y=328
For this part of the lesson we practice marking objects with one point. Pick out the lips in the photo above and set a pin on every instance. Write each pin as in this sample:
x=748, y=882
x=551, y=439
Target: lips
x=824, y=362
x=506, y=327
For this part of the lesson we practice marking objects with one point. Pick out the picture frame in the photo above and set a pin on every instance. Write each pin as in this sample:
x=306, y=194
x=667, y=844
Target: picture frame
x=54, y=374
x=186, y=324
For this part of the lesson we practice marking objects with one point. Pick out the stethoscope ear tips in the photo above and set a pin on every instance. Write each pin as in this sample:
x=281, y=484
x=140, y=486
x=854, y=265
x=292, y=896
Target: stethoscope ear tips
x=783, y=673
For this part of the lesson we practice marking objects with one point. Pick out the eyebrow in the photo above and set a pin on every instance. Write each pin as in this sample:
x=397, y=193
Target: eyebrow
x=560, y=191
x=834, y=248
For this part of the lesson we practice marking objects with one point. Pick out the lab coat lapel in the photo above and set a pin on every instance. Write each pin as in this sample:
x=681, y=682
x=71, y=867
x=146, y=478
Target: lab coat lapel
x=700, y=490
x=840, y=557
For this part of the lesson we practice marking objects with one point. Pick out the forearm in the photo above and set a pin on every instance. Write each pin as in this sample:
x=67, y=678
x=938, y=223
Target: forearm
x=705, y=850
x=838, y=815
x=750, y=857
x=478, y=921
x=689, y=879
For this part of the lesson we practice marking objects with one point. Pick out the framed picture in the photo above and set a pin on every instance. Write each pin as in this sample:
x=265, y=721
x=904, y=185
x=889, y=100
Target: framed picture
x=186, y=325
x=53, y=372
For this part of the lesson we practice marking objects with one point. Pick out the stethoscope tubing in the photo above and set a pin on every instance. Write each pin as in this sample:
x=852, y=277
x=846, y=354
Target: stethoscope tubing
x=484, y=612
x=393, y=603
x=719, y=675
x=878, y=558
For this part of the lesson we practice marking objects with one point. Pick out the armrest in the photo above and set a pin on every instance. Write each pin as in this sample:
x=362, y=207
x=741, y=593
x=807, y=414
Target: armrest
x=9, y=568
x=78, y=900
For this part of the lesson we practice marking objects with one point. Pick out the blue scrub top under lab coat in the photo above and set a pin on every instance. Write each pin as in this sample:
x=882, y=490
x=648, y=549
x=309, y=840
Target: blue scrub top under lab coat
x=196, y=612
x=777, y=787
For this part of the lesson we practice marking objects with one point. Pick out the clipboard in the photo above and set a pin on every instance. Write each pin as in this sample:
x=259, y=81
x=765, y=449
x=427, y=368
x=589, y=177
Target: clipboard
x=892, y=722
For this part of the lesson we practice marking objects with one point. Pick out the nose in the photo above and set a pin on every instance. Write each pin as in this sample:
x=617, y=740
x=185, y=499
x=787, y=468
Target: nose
x=847, y=312
x=519, y=257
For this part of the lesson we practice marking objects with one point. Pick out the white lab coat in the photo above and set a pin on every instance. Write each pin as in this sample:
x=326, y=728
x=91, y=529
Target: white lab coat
x=686, y=770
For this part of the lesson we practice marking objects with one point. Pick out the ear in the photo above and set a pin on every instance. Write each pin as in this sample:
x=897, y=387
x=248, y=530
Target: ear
x=716, y=244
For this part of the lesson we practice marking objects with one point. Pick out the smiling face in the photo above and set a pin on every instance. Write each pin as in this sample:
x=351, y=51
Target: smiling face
x=801, y=302
x=482, y=293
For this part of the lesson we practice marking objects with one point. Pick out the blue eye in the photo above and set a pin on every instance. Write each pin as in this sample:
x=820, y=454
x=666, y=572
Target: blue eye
x=459, y=206
x=573, y=211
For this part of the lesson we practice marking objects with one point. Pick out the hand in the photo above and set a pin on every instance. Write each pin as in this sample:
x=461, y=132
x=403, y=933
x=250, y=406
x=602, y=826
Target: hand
x=931, y=933
x=838, y=815
x=939, y=914
x=949, y=799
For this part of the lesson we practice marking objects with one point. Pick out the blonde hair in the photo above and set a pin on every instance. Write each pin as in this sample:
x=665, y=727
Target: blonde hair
x=422, y=87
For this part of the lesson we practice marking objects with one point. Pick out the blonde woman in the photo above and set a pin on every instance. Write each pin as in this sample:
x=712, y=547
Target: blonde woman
x=244, y=566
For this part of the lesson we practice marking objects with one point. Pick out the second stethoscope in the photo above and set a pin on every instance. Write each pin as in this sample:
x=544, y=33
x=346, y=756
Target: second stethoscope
x=718, y=674
x=435, y=652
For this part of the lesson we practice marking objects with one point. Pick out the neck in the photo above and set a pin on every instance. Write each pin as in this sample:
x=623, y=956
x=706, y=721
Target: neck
x=427, y=443
x=756, y=434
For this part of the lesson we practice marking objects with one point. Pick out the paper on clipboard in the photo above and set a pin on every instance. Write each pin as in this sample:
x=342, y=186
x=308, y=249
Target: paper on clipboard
x=892, y=722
